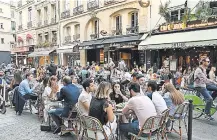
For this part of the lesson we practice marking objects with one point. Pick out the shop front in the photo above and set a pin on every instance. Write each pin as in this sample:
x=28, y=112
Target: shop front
x=20, y=55
x=43, y=56
x=70, y=55
x=116, y=47
x=181, y=48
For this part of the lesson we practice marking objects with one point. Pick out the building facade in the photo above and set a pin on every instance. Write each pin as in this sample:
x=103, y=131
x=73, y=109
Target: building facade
x=46, y=32
x=100, y=29
x=183, y=31
x=7, y=31
x=25, y=31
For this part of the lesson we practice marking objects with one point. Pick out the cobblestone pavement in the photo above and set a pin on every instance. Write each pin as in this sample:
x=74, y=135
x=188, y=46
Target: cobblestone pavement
x=27, y=127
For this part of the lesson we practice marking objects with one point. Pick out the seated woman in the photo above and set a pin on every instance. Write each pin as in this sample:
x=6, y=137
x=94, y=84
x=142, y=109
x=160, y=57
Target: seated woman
x=101, y=108
x=118, y=95
x=173, y=98
x=49, y=95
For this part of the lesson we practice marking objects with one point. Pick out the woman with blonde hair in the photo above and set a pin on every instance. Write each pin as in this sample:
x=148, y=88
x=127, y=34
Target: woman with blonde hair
x=172, y=97
x=101, y=108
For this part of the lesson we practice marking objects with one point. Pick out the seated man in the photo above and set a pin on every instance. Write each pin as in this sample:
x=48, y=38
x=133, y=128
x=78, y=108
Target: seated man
x=156, y=98
x=143, y=108
x=85, y=97
x=69, y=93
x=26, y=93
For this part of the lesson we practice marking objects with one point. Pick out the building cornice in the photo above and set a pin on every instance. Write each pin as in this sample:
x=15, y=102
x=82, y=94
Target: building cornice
x=121, y=3
x=1, y=2
x=9, y=18
x=47, y=26
x=2, y=32
x=26, y=30
x=25, y=6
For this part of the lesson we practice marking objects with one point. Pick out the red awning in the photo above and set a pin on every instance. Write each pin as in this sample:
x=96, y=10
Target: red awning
x=20, y=39
x=28, y=36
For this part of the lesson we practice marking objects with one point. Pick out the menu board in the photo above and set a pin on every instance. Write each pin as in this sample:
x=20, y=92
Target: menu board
x=142, y=57
x=173, y=65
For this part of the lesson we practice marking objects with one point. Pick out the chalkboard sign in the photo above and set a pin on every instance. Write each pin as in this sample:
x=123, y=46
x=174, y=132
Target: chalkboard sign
x=141, y=57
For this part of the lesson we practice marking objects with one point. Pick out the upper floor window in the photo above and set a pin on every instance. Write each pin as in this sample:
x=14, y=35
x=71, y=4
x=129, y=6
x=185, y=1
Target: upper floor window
x=30, y=13
x=20, y=17
x=1, y=10
x=96, y=26
x=77, y=29
x=2, y=41
x=213, y=4
x=66, y=5
x=13, y=25
x=118, y=22
x=1, y=26
x=134, y=19
x=177, y=15
x=78, y=2
x=68, y=31
x=12, y=14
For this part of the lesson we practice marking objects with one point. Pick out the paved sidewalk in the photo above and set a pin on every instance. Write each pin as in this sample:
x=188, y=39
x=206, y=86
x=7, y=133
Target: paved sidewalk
x=27, y=127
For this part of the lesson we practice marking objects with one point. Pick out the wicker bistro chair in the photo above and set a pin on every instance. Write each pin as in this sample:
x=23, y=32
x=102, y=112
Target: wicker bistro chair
x=70, y=124
x=147, y=129
x=162, y=124
x=180, y=116
x=93, y=129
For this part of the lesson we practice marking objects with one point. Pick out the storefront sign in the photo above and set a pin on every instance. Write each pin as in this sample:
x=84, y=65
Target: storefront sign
x=89, y=47
x=178, y=45
x=189, y=25
x=101, y=55
x=20, y=49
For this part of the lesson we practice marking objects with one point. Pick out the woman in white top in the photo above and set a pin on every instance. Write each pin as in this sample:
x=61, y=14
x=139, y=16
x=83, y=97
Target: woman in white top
x=49, y=95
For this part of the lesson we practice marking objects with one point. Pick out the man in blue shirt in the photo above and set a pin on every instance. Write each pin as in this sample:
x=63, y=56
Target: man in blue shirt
x=69, y=93
x=25, y=93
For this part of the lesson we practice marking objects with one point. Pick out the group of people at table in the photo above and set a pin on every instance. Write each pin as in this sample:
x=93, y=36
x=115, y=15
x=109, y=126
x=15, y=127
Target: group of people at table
x=99, y=101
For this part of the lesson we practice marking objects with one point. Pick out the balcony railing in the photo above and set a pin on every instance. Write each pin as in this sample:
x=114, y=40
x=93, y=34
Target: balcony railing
x=110, y=2
x=29, y=24
x=29, y=1
x=78, y=10
x=94, y=36
x=46, y=22
x=117, y=32
x=39, y=23
x=68, y=39
x=19, y=4
x=20, y=27
x=92, y=5
x=134, y=30
x=53, y=20
x=65, y=14
x=76, y=37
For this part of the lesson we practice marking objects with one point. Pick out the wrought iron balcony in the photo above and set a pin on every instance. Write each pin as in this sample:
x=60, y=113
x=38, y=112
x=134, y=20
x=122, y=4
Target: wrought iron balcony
x=65, y=14
x=78, y=10
x=20, y=27
x=29, y=1
x=29, y=24
x=117, y=32
x=19, y=4
x=45, y=22
x=76, y=37
x=53, y=20
x=94, y=36
x=134, y=30
x=39, y=23
x=68, y=39
x=92, y=5
x=110, y=2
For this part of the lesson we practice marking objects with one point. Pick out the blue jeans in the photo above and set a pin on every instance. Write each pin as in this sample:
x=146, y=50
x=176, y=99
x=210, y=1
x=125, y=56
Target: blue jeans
x=57, y=113
x=207, y=96
x=133, y=127
x=126, y=128
x=212, y=87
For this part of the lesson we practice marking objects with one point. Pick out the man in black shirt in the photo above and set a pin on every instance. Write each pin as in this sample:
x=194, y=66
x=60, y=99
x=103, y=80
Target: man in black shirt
x=52, y=69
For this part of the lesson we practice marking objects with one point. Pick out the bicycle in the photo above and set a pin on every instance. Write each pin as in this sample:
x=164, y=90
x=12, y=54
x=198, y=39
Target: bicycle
x=199, y=106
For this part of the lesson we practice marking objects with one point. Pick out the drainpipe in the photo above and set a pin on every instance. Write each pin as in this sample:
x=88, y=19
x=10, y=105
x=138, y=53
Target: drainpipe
x=60, y=43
